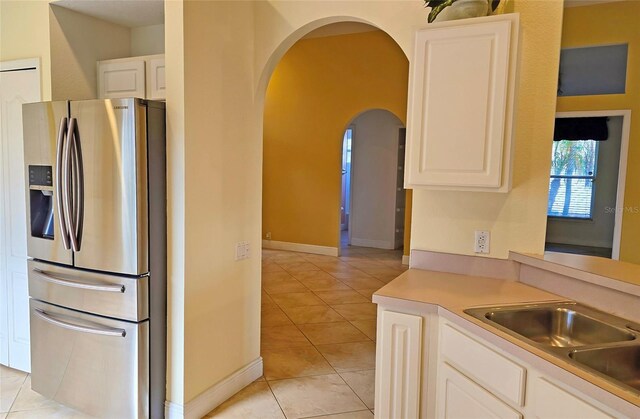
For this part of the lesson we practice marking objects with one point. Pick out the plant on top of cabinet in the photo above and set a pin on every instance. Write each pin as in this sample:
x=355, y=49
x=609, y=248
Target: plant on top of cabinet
x=442, y=10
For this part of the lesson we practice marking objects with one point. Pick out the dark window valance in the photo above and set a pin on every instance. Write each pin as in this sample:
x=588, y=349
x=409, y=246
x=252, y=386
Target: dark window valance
x=576, y=129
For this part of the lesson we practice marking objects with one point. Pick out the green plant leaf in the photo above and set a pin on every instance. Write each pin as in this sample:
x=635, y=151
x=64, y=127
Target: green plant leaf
x=436, y=7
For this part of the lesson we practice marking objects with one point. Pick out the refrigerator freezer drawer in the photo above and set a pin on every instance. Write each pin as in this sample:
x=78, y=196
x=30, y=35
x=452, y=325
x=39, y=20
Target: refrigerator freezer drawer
x=99, y=366
x=106, y=295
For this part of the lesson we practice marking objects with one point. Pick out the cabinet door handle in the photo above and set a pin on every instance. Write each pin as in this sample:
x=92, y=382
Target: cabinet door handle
x=54, y=279
x=77, y=328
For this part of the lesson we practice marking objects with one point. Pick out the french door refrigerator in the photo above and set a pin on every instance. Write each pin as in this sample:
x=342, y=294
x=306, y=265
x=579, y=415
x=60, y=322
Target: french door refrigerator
x=97, y=254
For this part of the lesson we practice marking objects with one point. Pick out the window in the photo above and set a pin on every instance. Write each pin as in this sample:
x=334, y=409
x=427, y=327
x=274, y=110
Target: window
x=573, y=172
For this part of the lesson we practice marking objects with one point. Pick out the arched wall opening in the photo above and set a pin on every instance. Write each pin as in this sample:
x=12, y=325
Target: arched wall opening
x=321, y=82
x=373, y=196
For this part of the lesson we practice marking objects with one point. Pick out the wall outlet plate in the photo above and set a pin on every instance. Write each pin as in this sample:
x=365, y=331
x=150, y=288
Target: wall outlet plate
x=481, y=243
x=242, y=250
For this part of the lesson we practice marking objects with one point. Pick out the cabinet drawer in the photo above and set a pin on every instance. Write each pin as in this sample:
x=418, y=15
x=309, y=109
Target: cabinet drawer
x=106, y=295
x=553, y=402
x=97, y=365
x=493, y=371
x=462, y=398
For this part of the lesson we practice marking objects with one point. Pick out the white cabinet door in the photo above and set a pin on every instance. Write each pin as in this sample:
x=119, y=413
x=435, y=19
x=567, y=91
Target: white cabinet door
x=460, y=105
x=121, y=78
x=19, y=83
x=398, y=365
x=156, y=79
x=551, y=402
x=459, y=397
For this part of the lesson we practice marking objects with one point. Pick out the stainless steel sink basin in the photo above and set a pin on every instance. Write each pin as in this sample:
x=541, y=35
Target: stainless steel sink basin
x=597, y=342
x=558, y=326
x=620, y=363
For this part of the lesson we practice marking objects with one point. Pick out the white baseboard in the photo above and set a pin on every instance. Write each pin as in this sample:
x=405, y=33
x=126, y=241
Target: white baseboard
x=299, y=247
x=405, y=259
x=378, y=244
x=215, y=395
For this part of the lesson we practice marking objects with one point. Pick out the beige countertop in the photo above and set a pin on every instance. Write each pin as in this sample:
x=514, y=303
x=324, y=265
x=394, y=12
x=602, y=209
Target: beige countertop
x=455, y=293
x=617, y=274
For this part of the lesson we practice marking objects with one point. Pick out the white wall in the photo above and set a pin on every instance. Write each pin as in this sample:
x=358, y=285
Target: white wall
x=78, y=41
x=374, y=174
x=597, y=232
x=147, y=40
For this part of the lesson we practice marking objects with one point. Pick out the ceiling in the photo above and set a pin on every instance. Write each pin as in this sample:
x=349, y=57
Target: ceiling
x=135, y=13
x=130, y=13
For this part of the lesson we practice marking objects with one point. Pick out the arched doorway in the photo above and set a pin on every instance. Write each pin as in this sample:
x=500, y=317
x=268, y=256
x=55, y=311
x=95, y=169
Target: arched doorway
x=318, y=322
x=373, y=173
x=317, y=88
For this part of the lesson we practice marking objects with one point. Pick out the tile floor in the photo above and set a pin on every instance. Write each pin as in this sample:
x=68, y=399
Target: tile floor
x=18, y=401
x=318, y=342
x=318, y=336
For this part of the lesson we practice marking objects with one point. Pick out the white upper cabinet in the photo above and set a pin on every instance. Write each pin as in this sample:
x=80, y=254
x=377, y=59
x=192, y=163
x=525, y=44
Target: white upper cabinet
x=460, y=111
x=141, y=77
x=121, y=78
x=155, y=78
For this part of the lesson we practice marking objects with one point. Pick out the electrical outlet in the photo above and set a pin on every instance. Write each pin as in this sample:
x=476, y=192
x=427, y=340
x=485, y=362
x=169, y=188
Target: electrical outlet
x=268, y=235
x=242, y=250
x=481, y=243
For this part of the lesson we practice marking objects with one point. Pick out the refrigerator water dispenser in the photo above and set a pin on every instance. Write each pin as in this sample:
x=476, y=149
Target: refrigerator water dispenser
x=41, y=201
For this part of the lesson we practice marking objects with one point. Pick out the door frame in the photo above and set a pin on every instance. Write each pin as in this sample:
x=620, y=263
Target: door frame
x=28, y=64
x=622, y=167
x=25, y=64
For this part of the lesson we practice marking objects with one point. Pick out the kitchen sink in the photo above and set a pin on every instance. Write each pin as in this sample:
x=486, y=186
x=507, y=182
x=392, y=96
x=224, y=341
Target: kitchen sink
x=620, y=363
x=558, y=326
x=594, y=341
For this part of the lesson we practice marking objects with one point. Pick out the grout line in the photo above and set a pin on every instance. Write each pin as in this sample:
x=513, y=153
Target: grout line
x=362, y=257
x=354, y=391
x=13, y=402
x=275, y=398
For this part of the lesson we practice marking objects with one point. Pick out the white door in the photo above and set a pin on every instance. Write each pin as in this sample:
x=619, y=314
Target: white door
x=19, y=83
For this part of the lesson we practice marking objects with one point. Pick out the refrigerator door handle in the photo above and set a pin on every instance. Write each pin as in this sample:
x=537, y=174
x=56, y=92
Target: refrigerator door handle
x=78, y=182
x=71, y=190
x=78, y=328
x=55, y=279
x=60, y=199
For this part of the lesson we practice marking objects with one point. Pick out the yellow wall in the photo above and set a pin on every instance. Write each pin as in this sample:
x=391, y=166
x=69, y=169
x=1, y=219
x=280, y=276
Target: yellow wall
x=25, y=34
x=222, y=172
x=445, y=221
x=230, y=50
x=220, y=56
x=320, y=85
x=602, y=24
x=78, y=41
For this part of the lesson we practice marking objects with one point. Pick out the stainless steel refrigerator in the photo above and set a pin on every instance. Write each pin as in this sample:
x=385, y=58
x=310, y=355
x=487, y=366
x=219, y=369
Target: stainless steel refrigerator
x=96, y=217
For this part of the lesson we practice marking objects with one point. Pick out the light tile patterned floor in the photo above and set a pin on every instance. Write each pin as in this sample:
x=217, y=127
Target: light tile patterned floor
x=18, y=401
x=318, y=336
x=318, y=342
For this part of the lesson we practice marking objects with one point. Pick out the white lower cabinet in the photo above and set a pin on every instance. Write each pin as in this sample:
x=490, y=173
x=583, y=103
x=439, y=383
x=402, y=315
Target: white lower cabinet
x=429, y=367
x=554, y=402
x=478, y=380
x=398, y=365
x=460, y=397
